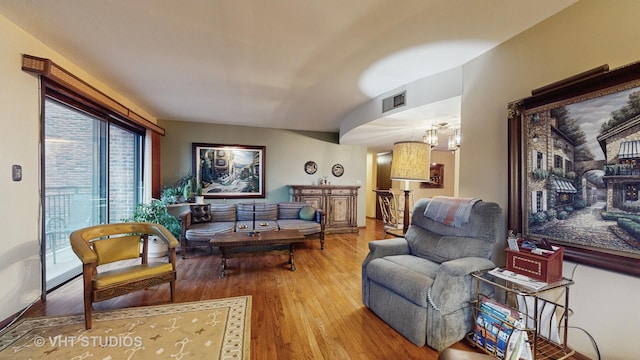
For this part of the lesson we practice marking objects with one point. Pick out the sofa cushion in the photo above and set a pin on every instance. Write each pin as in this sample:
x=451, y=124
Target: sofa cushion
x=409, y=276
x=204, y=231
x=223, y=212
x=263, y=211
x=290, y=210
x=200, y=213
x=307, y=212
x=304, y=226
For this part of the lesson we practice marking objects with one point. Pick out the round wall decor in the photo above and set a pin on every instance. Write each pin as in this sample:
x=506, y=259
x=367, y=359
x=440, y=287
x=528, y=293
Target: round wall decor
x=310, y=167
x=337, y=170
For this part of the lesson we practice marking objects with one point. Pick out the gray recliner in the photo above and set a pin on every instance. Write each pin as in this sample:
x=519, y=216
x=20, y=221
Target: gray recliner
x=421, y=284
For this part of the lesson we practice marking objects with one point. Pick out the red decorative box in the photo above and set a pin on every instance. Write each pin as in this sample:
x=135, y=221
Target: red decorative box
x=539, y=267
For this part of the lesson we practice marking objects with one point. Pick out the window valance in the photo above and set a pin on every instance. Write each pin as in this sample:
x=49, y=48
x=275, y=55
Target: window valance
x=50, y=70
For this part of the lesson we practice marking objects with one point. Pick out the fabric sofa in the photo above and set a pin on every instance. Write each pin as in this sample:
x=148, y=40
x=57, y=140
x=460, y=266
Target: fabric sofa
x=421, y=284
x=201, y=222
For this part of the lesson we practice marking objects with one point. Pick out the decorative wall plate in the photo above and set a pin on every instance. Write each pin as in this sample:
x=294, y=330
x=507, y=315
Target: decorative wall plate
x=337, y=170
x=310, y=167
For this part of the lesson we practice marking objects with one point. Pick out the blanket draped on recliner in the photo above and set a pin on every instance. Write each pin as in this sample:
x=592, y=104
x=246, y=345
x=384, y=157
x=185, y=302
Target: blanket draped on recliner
x=450, y=211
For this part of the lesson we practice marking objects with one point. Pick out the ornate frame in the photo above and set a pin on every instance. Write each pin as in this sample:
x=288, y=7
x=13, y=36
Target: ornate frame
x=229, y=171
x=559, y=167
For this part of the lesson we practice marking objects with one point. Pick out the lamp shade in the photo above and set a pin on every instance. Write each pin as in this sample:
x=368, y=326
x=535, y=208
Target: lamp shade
x=410, y=161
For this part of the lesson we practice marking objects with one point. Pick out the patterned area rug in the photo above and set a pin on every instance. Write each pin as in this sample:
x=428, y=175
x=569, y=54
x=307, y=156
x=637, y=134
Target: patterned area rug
x=213, y=329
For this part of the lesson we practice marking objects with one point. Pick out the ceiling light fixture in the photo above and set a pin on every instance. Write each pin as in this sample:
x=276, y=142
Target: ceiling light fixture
x=431, y=137
x=454, y=140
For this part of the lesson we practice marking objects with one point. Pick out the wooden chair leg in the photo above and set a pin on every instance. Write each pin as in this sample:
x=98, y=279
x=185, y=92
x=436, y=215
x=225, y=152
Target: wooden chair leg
x=172, y=287
x=87, y=313
x=87, y=278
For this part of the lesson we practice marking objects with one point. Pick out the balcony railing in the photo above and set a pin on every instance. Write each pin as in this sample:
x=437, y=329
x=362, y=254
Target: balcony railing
x=622, y=170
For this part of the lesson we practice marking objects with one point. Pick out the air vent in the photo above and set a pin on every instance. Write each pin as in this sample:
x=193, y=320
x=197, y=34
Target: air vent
x=393, y=102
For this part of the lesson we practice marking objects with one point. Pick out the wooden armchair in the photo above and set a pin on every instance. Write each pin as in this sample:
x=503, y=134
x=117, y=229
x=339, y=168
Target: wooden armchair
x=389, y=210
x=110, y=243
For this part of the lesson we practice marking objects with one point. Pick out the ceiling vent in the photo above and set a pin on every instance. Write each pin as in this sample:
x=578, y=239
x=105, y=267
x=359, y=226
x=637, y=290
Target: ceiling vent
x=393, y=102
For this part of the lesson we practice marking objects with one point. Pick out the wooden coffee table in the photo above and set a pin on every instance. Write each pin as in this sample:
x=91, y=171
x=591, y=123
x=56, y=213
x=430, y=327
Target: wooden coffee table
x=244, y=239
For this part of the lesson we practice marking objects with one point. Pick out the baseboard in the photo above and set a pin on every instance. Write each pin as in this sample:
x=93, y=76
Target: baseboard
x=16, y=316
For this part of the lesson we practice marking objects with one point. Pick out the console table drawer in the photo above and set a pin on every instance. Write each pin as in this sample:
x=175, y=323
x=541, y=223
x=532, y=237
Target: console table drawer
x=340, y=191
x=310, y=191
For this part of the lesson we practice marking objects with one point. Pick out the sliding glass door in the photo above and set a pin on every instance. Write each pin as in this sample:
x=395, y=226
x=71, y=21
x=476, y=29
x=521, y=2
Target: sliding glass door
x=92, y=174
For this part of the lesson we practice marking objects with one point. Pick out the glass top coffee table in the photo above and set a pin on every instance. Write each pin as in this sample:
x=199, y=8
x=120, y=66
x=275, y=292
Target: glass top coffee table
x=265, y=238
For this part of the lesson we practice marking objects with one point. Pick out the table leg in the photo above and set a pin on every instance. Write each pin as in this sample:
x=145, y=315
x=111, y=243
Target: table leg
x=293, y=266
x=223, y=265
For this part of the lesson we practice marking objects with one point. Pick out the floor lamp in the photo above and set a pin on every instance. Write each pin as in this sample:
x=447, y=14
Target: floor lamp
x=410, y=162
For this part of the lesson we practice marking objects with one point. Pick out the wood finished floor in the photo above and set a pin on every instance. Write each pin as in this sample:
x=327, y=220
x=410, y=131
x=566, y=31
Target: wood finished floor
x=315, y=312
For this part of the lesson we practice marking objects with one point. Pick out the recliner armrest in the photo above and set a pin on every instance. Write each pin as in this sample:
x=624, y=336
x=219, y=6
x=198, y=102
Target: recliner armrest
x=387, y=247
x=452, y=288
x=465, y=266
x=378, y=249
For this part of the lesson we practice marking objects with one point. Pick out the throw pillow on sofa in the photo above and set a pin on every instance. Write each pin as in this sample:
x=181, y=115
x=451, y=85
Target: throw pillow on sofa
x=200, y=213
x=307, y=212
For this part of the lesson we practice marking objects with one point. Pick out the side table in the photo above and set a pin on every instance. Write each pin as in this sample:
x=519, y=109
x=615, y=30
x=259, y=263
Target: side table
x=509, y=294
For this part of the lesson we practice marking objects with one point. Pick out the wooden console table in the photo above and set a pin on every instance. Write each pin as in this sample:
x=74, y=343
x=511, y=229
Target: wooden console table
x=340, y=203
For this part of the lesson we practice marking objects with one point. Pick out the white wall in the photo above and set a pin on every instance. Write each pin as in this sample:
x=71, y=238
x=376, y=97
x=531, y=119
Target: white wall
x=20, y=273
x=585, y=35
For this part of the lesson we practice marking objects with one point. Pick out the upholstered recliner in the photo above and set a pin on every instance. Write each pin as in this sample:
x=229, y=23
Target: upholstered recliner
x=111, y=243
x=421, y=284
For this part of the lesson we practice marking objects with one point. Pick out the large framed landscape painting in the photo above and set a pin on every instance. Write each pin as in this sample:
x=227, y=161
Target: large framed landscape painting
x=229, y=171
x=574, y=155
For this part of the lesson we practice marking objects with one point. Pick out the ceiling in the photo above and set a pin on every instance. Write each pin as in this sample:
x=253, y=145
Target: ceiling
x=289, y=64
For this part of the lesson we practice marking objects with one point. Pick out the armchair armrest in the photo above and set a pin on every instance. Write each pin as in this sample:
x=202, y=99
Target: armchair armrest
x=166, y=236
x=378, y=249
x=465, y=266
x=320, y=217
x=452, y=287
x=387, y=247
x=82, y=249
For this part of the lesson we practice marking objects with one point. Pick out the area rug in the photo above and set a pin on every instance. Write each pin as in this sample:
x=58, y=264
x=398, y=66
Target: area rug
x=212, y=329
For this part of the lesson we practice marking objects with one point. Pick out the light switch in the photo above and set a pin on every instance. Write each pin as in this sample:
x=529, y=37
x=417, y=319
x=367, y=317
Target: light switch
x=16, y=172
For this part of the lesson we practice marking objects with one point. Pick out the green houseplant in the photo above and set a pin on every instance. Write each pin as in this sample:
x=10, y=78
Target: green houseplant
x=156, y=212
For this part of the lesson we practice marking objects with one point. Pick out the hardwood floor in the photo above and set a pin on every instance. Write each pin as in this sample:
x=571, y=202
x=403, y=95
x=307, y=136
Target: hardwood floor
x=315, y=312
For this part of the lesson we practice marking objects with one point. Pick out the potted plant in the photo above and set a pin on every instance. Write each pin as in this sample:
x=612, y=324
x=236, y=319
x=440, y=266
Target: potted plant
x=186, y=185
x=156, y=212
x=171, y=195
x=199, y=195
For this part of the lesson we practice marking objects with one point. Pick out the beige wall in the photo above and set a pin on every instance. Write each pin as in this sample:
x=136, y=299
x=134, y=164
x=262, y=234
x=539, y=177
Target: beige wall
x=285, y=155
x=20, y=271
x=588, y=34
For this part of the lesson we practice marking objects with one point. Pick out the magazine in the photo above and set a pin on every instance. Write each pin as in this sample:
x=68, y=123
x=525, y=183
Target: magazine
x=518, y=278
x=500, y=330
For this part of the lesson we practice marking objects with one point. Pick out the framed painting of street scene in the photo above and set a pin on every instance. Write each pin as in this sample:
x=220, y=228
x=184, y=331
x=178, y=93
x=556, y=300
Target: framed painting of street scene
x=574, y=155
x=229, y=171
